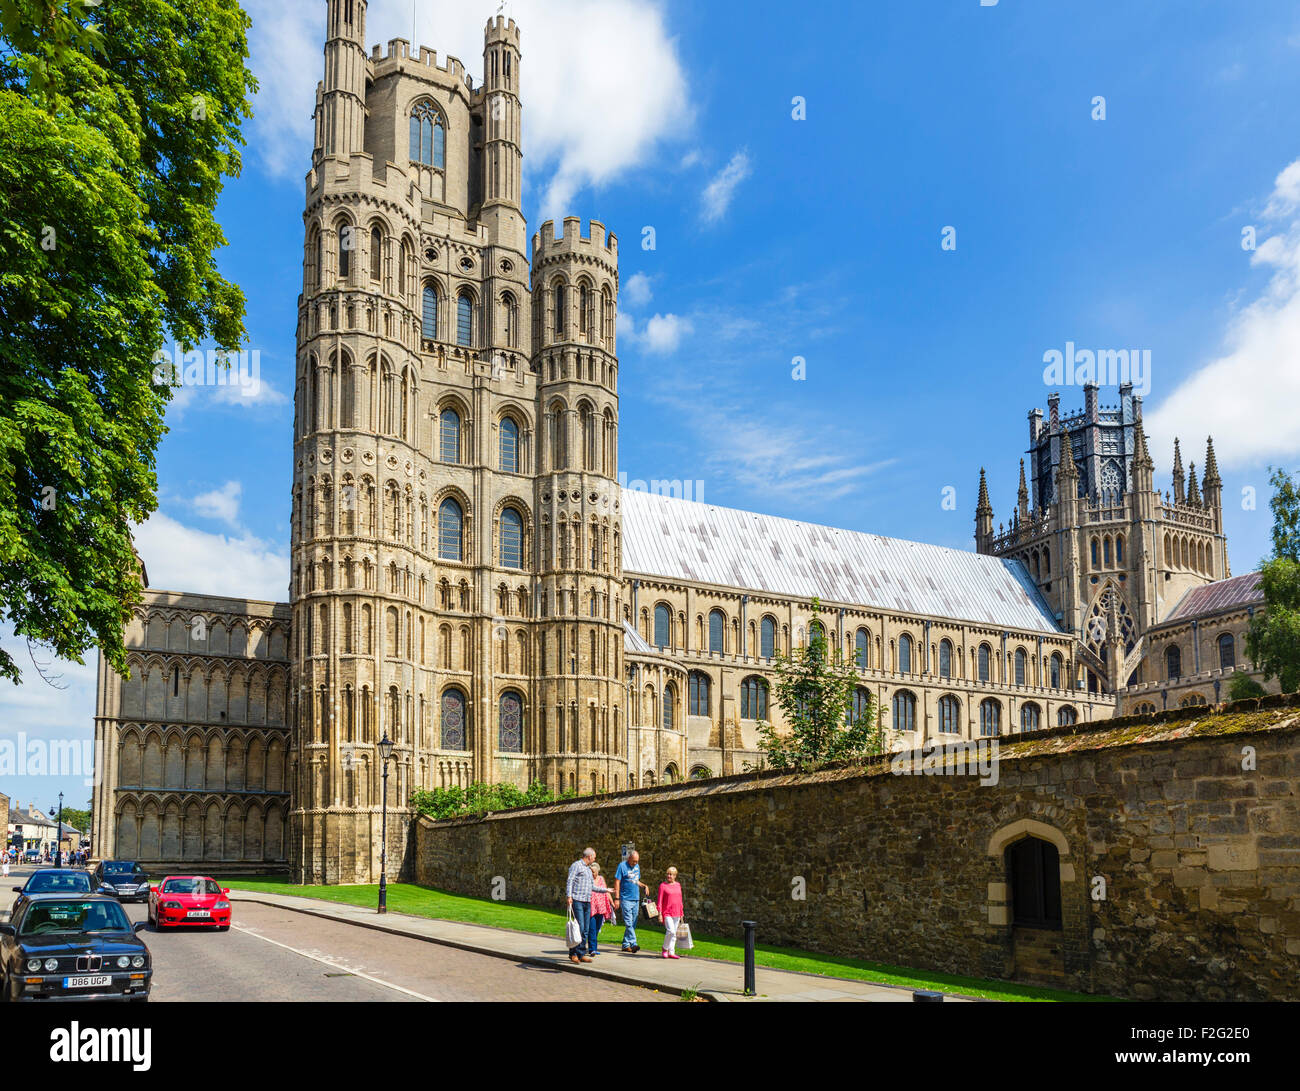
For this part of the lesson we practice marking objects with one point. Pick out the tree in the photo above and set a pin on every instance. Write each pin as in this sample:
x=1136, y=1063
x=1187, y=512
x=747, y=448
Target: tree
x=1273, y=642
x=815, y=690
x=1241, y=687
x=114, y=144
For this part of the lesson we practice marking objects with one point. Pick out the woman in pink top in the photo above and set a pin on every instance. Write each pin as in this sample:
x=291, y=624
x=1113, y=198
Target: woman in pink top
x=602, y=909
x=671, y=910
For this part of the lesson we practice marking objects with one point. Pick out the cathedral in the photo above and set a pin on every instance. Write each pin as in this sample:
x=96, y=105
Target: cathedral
x=470, y=581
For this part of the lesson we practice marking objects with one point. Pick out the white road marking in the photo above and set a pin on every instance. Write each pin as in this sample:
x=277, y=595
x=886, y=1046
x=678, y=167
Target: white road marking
x=336, y=964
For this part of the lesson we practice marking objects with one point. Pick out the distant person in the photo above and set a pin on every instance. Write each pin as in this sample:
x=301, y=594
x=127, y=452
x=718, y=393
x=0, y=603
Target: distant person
x=602, y=909
x=4, y=864
x=627, y=896
x=578, y=893
x=671, y=910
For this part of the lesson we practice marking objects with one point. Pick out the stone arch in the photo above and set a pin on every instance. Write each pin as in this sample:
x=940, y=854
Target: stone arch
x=1028, y=827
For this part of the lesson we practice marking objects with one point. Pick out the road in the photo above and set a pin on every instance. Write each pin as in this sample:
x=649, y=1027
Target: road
x=275, y=955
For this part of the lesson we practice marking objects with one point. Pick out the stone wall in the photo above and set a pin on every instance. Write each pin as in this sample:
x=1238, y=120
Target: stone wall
x=1191, y=821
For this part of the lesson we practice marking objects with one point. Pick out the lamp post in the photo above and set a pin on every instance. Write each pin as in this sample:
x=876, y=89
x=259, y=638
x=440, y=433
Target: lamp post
x=385, y=753
x=58, y=836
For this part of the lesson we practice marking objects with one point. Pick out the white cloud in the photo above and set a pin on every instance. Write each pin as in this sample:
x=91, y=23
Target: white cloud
x=664, y=332
x=636, y=290
x=719, y=192
x=180, y=558
x=1247, y=397
x=601, y=81
x=222, y=503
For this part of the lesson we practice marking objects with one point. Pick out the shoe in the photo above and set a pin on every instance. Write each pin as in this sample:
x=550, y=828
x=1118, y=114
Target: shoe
x=574, y=958
x=665, y=954
x=634, y=948
x=585, y=958
x=674, y=956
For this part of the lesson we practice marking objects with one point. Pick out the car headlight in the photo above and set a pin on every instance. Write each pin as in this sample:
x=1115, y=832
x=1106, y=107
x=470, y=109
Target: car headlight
x=123, y=962
x=51, y=964
x=171, y=905
x=33, y=964
x=138, y=962
x=222, y=905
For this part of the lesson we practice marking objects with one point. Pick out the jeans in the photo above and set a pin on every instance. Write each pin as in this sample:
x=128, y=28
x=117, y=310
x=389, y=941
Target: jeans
x=582, y=914
x=593, y=930
x=629, y=908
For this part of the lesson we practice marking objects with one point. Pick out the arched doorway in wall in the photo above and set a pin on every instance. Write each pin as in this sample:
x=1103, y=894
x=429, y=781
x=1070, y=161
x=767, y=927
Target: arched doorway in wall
x=1031, y=862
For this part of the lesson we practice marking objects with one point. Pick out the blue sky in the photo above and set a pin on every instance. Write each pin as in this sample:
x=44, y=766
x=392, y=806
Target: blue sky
x=779, y=238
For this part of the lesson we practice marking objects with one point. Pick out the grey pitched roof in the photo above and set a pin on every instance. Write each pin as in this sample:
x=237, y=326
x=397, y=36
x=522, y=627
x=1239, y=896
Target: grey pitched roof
x=1234, y=593
x=634, y=641
x=672, y=540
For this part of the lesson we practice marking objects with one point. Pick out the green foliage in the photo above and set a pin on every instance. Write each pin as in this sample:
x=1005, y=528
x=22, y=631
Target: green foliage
x=1273, y=642
x=480, y=798
x=814, y=690
x=77, y=819
x=1241, y=686
x=114, y=144
x=1286, y=515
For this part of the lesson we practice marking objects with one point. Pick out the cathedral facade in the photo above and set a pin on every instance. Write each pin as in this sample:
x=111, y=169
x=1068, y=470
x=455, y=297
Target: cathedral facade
x=469, y=580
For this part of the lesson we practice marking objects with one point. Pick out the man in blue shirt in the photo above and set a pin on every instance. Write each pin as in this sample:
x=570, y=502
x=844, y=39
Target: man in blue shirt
x=627, y=896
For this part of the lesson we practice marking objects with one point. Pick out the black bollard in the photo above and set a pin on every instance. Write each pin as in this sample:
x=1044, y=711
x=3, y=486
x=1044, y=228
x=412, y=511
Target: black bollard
x=749, y=926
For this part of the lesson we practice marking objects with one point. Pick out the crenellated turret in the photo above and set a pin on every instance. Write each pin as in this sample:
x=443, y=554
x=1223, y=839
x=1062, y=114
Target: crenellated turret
x=501, y=115
x=341, y=98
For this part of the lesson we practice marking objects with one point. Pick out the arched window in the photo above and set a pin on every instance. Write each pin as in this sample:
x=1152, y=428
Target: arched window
x=945, y=659
x=861, y=648
x=429, y=313
x=663, y=625
x=1034, y=876
x=904, y=654
x=449, y=436
x=449, y=530
x=1020, y=662
x=1227, y=652
x=512, y=539
x=557, y=319
x=990, y=717
x=1119, y=549
x=904, y=711
x=428, y=138
x=699, y=694
x=345, y=251
x=1030, y=717
x=1096, y=554
x=983, y=657
x=1173, y=662
x=1145, y=708
x=454, y=727
x=508, y=445
x=949, y=715
x=509, y=320
x=465, y=319
x=753, y=699
x=403, y=262
x=717, y=624
x=510, y=723
x=767, y=638
x=1057, y=668
x=670, y=699
x=1065, y=716
x=860, y=707
x=376, y=253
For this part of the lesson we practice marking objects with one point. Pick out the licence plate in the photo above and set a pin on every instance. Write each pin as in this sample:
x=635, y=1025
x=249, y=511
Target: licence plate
x=126, y=890
x=87, y=981
x=198, y=913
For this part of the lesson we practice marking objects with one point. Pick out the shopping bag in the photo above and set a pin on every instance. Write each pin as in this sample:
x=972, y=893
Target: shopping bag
x=652, y=911
x=684, y=942
x=573, y=931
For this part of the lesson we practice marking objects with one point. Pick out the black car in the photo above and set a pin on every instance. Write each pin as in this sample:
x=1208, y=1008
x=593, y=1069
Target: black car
x=60, y=947
x=54, y=881
x=127, y=879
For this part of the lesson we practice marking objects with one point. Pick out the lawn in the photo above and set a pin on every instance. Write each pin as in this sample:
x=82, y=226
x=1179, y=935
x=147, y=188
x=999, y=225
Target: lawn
x=423, y=901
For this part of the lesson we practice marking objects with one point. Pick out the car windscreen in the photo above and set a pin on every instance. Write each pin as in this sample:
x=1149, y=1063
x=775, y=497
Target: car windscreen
x=120, y=871
x=57, y=882
x=49, y=918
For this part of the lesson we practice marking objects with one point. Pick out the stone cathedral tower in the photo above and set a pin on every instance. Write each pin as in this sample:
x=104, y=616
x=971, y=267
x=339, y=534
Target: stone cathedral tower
x=456, y=537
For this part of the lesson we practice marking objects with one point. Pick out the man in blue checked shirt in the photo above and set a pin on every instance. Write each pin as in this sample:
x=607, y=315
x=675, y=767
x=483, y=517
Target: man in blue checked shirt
x=578, y=892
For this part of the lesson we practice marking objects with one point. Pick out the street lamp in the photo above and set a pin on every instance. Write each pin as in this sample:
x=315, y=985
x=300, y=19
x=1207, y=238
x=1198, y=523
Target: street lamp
x=58, y=835
x=385, y=754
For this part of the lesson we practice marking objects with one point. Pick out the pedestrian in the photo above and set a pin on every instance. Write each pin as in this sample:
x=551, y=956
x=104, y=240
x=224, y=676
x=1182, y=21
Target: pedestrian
x=627, y=896
x=578, y=892
x=4, y=865
x=671, y=910
x=601, y=908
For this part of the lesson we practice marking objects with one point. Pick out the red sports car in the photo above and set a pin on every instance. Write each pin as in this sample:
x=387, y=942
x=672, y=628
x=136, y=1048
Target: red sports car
x=189, y=900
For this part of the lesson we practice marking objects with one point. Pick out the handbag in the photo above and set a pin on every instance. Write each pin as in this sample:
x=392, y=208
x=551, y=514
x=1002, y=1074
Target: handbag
x=573, y=931
x=684, y=940
x=652, y=911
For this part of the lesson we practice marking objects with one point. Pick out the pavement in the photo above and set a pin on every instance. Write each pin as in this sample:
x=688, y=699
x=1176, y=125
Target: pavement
x=709, y=978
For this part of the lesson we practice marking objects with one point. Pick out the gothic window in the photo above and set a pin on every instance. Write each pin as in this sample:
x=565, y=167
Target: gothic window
x=510, y=320
x=699, y=694
x=510, y=728
x=1096, y=554
x=945, y=659
x=1173, y=662
x=508, y=445
x=453, y=720
x=1066, y=715
x=670, y=698
x=404, y=259
x=1106, y=550
x=990, y=717
x=1020, y=664
x=1030, y=717
x=512, y=539
x=753, y=699
x=429, y=313
x=428, y=137
x=949, y=715
x=905, y=654
x=1057, y=669
x=860, y=648
x=449, y=436
x=449, y=530
x=767, y=638
x=557, y=319
x=464, y=319
x=716, y=624
x=860, y=706
x=904, y=711
x=345, y=251
x=663, y=625
x=983, y=657
x=376, y=252
x=1227, y=652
